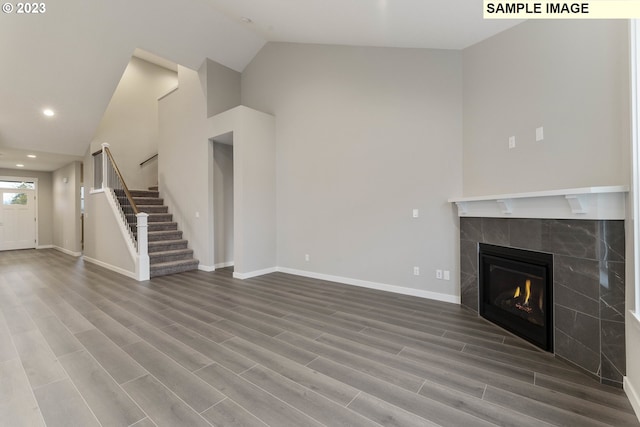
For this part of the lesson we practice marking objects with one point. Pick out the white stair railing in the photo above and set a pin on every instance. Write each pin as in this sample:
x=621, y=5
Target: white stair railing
x=109, y=178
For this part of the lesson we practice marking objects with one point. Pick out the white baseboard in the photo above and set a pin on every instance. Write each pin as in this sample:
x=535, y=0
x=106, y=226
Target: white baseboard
x=122, y=271
x=633, y=396
x=207, y=268
x=44, y=247
x=224, y=264
x=67, y=251
x=256, y=273
x=373, y=285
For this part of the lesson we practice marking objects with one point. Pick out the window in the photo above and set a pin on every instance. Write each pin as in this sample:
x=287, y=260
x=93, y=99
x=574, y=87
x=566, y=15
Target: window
x=14, y=198
x=18, y=185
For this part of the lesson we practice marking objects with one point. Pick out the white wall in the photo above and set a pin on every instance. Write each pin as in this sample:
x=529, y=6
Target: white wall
x=66, y=209
x=364, y=135
x=571, y=77
x=45, y=202
x=130, y=122
x=222, y=86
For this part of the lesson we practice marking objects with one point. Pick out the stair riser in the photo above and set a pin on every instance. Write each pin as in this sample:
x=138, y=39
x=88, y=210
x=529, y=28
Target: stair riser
x=172, y=270
x=167, y=247
x=159, y=226
x=143, y=200
x=156, y=259
x=153, y=217
x=153, y=209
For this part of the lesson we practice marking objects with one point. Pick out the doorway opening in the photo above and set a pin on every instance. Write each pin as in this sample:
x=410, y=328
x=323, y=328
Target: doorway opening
x=18, y=218
x=223, y=200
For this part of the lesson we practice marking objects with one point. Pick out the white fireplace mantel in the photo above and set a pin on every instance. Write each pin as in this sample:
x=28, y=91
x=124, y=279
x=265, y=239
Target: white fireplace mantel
x=574, y=203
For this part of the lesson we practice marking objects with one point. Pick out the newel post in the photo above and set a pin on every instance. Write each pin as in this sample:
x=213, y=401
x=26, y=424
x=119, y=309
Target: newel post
x=105, y=174
x=143, y=246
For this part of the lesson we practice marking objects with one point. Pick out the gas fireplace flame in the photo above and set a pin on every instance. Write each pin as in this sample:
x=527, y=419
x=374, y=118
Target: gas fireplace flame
x=527, y=290
x=524, y=305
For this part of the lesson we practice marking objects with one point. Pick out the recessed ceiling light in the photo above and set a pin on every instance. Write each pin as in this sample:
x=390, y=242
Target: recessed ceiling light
x=20, y=165
x=31, y=156
x=48, y=112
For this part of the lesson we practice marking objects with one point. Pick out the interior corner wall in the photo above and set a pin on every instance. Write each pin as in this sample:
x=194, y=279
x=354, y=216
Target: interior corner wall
x=183, y=162
x=45, y=202
x=222, y=87
x=363, y=137
x=66, y=209
x=130, y=122
x=570, y=77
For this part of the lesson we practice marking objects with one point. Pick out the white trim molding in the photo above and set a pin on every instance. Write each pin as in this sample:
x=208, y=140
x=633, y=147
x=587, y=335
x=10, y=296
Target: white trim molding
x=256, y=273
x=374, y=285
x=45, y=247
x=206, y=268
x=573, y=203
x=66, y=251
x=122, y=271
x=632, y=394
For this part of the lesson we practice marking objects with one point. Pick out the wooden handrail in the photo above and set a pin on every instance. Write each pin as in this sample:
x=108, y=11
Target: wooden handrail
x=149, y=159
x=124, y=185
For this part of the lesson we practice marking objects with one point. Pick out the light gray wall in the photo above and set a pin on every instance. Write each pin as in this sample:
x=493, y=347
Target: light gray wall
x=45, y=201
x=363, y=136
x=66, y=209
x=130, y=122
x=223, y=202
x=571, y=77
x=104, y=242
x=183, y=163
x=222, y=86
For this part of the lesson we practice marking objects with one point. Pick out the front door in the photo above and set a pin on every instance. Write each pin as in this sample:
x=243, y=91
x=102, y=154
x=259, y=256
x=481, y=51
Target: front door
x=17, y=219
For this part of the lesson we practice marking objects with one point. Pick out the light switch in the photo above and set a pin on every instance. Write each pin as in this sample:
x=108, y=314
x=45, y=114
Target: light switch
x=416, y=213
x=512, y=142
x=539, y=134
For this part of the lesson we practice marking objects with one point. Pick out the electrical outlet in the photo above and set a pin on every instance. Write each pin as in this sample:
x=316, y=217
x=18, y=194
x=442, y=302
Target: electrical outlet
x=512, y=142
x=416, y=213
x=438, y=274
x=416, y=271
x=306, y=257
x=539, y=134
x=447, y=275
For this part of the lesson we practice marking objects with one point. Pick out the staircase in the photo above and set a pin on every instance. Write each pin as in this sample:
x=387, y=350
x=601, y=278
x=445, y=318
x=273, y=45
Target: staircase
x=168, y=252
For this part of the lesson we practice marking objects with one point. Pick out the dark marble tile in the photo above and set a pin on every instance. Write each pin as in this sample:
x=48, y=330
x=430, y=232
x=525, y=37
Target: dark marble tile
x=576, y=238
x=469, y=257
x=567, y=297
x=525, y=233
x=573, y=351
x=469, y=291
x=612, y=291
x=471, y=229
x=495, y=231
x=580, y=327
x=613, y=349
x=612, y=240
x=580, y=275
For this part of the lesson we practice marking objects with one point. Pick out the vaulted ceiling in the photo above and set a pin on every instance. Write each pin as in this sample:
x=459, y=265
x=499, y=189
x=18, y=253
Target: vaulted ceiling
x=71, y=57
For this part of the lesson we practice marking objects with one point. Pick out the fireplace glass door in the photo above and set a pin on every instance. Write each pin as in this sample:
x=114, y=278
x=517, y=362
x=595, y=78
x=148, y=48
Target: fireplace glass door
x=516, y=292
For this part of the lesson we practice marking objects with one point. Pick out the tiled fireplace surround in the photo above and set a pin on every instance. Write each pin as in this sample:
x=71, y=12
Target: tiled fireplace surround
x=588, y=283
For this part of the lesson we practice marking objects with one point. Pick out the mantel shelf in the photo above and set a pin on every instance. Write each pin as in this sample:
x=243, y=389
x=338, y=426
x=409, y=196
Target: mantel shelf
x=574, y=203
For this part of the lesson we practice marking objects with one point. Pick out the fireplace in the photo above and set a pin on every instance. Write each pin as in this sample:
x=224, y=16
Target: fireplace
x=516, y=291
